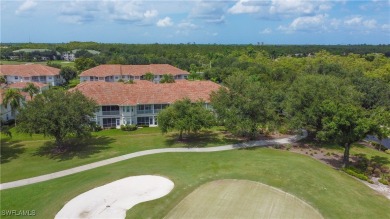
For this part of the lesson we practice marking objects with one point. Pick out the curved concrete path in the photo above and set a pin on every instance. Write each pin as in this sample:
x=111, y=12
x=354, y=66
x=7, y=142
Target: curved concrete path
x=67, y=172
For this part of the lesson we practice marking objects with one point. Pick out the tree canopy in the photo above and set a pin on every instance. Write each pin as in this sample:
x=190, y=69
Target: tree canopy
x=68, y=73
x=343, y=124
x=57, y=113
x=185, y=116
x=243, y=106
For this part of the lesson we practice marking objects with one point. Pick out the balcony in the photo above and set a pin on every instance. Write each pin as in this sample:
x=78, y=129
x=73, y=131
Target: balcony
x=145, y=111
x=110, y=113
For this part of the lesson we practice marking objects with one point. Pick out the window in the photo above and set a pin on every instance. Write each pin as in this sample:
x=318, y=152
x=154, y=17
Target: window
x=143, y=121
x=109, y=122
x=16, y=77
x=143, y=109
x=110, y=110
x=127, y=108
x=26, y=78
x=50, y=78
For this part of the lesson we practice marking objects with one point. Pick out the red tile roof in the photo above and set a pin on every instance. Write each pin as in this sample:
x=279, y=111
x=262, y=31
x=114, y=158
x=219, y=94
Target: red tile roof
x=134, y=70
x=28, y=70
x=145, y=92
x=21, y=85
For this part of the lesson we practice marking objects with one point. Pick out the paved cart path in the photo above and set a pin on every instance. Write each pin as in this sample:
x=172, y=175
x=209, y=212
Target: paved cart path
x=90, y=166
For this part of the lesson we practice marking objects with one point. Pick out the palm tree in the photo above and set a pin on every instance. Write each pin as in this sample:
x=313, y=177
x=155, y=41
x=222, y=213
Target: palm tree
x=13, y=97
x=31, y=89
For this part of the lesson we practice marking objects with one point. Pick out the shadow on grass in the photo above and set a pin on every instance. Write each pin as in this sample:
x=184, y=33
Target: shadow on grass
x=10, y=150
x=200, y=139
x=380, y=160
x=81, y=148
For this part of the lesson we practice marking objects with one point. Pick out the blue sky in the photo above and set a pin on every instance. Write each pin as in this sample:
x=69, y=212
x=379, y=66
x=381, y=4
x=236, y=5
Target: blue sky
x=203, y=22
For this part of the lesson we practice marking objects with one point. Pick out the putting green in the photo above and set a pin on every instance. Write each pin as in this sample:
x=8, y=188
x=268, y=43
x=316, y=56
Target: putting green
x=241, y=199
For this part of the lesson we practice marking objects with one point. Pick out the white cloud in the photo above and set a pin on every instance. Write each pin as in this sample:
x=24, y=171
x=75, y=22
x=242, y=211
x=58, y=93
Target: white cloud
x=307, y=23
x=275, y=9
x=386, y=27
x=27, y=6
x=187, y=25
x=209, y=11
x=358, y=22
x=150, y=13
x=353, y=21
x=371, y=24
x=266, y=31
x=244, y=7
x=165, y=22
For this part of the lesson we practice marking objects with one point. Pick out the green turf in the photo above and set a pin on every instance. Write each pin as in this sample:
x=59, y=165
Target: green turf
x=32, y=156
x=241, y=199
x=334, y=193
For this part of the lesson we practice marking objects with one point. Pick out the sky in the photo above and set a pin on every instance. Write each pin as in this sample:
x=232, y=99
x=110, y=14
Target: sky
x=321, y=22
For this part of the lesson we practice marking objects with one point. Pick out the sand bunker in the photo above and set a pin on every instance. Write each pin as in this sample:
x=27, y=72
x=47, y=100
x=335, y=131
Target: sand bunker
x=114, y=199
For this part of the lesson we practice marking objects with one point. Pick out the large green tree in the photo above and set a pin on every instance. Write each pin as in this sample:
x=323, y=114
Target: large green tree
x=31, y=89
x=68, y=73
x=244, y=106
x=185, y=116
x=343, y=124
x=83, y=64
x=57, y=113
x=305, y=96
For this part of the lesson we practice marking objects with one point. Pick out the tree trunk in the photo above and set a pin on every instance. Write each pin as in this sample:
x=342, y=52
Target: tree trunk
x=59, y=143
x=346, y=154
x=181, y=135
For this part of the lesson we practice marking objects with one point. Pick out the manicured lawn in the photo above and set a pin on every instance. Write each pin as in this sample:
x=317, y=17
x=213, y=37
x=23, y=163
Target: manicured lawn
x=230, y=198
x=32, y=156
x=333, y=193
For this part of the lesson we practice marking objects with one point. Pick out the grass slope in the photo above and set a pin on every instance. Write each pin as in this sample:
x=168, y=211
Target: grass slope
x=241, y=199
x=333, y=193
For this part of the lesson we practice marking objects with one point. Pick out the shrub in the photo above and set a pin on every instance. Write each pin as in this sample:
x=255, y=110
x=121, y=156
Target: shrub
x=327, y=154
x=377, y=172
x=352, y=171
x=384, y=181
x=95, y=127
x=369, y=170
x=128, y=127
x=387, y=151
x=283, y=130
